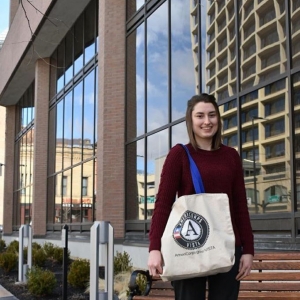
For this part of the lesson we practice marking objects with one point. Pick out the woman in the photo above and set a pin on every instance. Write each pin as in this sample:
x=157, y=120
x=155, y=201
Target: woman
x=221, y=172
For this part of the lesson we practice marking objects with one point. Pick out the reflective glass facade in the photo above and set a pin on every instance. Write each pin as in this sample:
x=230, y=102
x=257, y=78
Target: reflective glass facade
x=24, y=154
x=72, y=123
x=245, y=53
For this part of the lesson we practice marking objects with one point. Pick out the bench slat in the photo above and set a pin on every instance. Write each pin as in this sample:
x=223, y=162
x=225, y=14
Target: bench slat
x=269, y=286
x=161, y=285
x=273, y=276
x=277, y=256
x=275, y=265
x=268, y=295
x=153, y=297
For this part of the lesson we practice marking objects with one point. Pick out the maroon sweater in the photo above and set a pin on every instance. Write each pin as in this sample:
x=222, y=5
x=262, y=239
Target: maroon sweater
x=221, y=172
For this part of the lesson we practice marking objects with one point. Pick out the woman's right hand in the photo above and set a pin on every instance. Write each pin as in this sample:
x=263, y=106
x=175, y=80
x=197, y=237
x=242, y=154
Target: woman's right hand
x=155, y=262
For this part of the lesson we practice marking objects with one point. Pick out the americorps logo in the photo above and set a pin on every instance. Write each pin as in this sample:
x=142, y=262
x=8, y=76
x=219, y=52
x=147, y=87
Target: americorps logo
x=192, y=231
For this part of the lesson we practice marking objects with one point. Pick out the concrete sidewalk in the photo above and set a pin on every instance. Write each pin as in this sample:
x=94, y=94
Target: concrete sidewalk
x=6, y=295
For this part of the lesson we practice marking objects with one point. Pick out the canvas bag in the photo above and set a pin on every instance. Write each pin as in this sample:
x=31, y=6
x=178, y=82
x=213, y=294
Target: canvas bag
x=198, y=239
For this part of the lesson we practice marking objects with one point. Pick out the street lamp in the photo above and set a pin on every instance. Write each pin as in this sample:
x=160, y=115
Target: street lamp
x=254, y=159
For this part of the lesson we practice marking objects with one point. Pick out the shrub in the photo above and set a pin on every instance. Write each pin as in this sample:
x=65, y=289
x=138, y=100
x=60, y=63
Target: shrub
x=79, y=273
x=39, y=257
x=49, y=249
x=13, y=247
x=58, y=254
x=2, y=246
x=122, y=262
x=36, y=245
x=40, y=282
x=8, y=261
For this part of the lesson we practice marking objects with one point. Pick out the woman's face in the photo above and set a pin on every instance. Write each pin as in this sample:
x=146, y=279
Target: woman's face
x=205, y=121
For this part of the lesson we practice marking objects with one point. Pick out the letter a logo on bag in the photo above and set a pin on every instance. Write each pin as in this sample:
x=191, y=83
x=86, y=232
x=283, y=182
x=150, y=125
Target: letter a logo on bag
x=192, y=231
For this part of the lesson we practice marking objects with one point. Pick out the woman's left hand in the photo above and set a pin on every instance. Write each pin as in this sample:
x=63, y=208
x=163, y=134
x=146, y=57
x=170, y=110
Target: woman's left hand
x=245, y=266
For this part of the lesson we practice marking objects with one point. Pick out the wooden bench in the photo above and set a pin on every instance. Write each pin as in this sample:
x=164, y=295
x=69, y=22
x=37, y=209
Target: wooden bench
x=274, y=275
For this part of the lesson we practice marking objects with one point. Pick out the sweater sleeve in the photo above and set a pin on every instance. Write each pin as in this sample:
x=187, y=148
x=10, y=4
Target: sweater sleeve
x=168, y=187
x=241, y=212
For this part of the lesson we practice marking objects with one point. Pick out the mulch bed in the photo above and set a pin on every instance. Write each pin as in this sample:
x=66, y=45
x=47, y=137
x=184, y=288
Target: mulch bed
x=20, y=291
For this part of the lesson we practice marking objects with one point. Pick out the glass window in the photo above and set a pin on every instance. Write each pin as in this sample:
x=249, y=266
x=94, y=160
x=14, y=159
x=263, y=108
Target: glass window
x=247, y=155
x=184, y=55
x=88, y=115
x=274, y=128
x=67, y=125
x=296, y=133
x=275, y=150
x=220, y=50
x=157, y=150
x=69, y=56
x=157, y=68
x=179, y=134
x=136, y=83
x=60, y=67
x=249, y=135
x=230, y=140
x=297, y=120
x=136, y=178
x=230, y=105
x=78, y=45
x=229, y=122
x=275, y=168
x=249, y=97
x=90, y=32
x=276, y=198
x=277, y=105
x=248, y=114
x=275, y=87
x=72, y=128
x=295, y=32
x=133, y=6
x=64, y=183
x=263, y=42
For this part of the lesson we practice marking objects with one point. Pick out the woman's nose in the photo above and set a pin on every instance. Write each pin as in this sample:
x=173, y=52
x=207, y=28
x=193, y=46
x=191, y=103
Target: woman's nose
x=206, y=119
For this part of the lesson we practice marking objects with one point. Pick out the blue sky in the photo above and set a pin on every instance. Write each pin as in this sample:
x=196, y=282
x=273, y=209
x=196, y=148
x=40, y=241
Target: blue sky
x=4, y=15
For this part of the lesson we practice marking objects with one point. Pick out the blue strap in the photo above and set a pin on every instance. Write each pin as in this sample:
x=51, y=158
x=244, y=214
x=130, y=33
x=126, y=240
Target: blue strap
x=196, y=177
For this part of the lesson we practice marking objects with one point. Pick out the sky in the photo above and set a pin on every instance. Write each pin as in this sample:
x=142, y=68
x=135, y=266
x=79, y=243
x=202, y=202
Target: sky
x=4, y=15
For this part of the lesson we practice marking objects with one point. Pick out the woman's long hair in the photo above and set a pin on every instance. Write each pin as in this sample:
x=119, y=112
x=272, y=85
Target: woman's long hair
x=217, y=138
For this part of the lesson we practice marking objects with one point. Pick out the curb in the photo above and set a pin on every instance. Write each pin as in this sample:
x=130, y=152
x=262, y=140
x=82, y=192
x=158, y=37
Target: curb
x=6, y=295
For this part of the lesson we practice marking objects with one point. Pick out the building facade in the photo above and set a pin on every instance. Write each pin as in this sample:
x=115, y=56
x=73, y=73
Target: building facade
x=95, y=95
x=2, y=144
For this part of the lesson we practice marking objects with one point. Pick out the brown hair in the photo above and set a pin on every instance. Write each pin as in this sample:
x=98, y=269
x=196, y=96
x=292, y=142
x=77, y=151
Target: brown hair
x=217, y=138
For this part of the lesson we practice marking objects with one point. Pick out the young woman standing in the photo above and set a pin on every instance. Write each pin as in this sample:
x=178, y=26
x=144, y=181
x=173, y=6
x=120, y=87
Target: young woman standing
x=221, y=171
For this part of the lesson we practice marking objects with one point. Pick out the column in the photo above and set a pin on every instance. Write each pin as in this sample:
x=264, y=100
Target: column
x=9, y=167
x=41, y=104
x=110, y=200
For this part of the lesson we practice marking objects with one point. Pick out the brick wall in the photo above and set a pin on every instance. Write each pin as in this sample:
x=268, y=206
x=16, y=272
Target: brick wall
x=9, y=169
x=41, y=103
x=111, y=114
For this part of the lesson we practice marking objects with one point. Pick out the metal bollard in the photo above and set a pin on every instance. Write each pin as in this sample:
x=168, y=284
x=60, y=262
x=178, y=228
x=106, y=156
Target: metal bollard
x=64, y=240
x=102, y=245
x=25, y=231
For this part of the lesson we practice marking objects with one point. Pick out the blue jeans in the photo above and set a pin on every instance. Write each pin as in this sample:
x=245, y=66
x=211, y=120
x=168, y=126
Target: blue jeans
x=222, y=286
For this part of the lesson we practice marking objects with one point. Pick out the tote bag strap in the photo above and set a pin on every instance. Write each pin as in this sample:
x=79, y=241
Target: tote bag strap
x=196, y=177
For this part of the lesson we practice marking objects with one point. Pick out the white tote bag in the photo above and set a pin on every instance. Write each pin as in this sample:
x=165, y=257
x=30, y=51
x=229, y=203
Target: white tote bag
x=198, y=239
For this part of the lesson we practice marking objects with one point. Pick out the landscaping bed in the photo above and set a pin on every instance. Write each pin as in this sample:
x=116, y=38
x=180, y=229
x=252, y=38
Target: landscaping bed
x=19, y=290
